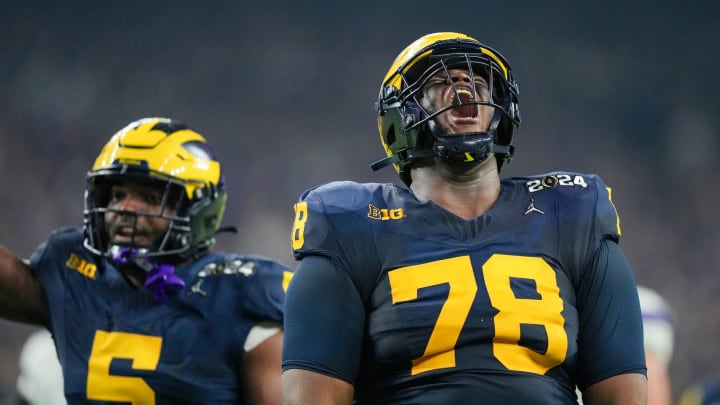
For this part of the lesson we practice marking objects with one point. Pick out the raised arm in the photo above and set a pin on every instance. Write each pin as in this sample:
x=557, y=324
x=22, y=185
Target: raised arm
x=21, y=294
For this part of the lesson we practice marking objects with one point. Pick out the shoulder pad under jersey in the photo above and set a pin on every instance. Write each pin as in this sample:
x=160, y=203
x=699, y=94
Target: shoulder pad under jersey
x=578, y=196
x=331, y=219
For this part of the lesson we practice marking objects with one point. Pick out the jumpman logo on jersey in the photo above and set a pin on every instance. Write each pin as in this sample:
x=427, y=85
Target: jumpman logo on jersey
x=531, y=208
x=197, y=288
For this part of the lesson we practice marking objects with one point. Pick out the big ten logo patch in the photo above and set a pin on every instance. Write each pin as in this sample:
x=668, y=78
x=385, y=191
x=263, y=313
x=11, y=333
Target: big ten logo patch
x=385, y=214
x=81, y=265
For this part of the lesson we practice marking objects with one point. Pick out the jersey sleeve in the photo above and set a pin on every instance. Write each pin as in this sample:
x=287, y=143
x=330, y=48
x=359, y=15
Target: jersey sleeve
x=587, y=216
x=44, y=258
x=44, y=263
x=325, y=310
x=266, y=291
x=607, y=220
x=610, y=340
x=324, y=319
x=332, y=221
x=312, y=232
x=611, y=336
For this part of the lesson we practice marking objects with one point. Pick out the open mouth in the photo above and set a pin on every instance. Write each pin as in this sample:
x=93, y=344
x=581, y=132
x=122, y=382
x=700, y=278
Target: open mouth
x=465, y=110
x=128, y=234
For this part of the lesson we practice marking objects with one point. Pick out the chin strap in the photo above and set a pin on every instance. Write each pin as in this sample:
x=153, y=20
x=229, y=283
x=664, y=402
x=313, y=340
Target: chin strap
x=461, y=149
x=469, y=148
x=458, y=149
x=405, y=155
x=161, y=279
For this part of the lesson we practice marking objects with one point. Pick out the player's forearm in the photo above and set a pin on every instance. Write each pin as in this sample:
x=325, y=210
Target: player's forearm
x=630, y=389
x=21, y=294
x=302, y=387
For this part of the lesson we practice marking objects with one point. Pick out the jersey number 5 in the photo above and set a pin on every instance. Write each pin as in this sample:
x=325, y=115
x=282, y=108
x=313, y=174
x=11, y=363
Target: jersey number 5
x=498, y=271
x=144, y=351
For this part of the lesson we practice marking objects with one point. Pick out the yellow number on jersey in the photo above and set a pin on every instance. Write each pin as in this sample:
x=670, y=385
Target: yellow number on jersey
x=297, y=236
x=512, y=312
x=546, y=311
x=404, y=285
x=144, y=351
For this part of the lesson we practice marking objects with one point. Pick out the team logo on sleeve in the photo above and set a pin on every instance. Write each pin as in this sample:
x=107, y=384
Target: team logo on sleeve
x=385, y=214
x=81, y=265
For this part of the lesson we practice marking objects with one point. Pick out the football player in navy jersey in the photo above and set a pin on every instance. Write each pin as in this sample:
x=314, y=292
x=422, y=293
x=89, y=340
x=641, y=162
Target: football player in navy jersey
x=461, y=287
x=140, y=309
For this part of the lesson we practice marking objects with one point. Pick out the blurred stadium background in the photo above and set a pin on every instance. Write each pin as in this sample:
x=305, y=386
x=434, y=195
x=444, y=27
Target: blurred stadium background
x=285, y=92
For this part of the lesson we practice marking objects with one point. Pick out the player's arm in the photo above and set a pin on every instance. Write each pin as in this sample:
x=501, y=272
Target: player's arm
x=324, y=327
x=612, y=359
x=262, y=348
x=21, y=293
x=308, y=387
x=263, y=371
x=626, y=389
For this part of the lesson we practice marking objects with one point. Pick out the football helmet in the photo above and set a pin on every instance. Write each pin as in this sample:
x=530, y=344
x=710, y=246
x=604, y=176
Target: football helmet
x=174, y=158
x=408, y=130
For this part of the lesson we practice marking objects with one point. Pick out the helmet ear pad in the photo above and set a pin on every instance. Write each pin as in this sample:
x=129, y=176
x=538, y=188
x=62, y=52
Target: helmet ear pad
x=401, y=135
x=509, y=120
x=504, y=132
x=206, y=214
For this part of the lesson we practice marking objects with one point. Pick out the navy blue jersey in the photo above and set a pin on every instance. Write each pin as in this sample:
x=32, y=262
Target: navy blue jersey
x=117, y=345
x=417, y=305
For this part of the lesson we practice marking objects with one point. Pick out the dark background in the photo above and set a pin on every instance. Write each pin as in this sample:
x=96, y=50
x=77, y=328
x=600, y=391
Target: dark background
x=285, y=90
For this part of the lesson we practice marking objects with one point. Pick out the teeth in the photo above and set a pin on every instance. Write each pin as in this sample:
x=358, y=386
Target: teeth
x=465, y=95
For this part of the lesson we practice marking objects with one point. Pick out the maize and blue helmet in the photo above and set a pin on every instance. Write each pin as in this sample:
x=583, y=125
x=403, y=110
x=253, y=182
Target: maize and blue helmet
x=166, y=154
x=407, y=129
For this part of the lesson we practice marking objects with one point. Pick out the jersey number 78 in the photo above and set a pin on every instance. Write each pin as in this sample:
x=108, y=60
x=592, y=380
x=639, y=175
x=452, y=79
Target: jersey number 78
x=497, y=272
